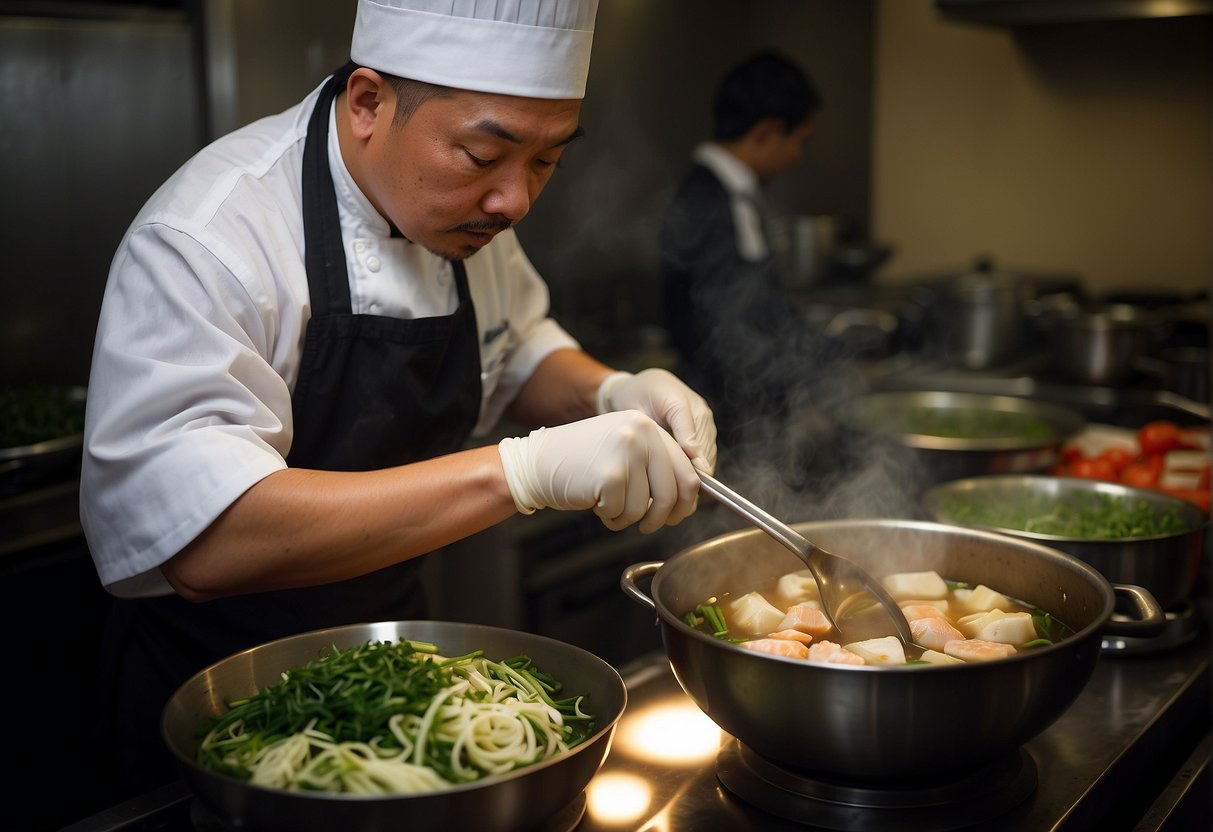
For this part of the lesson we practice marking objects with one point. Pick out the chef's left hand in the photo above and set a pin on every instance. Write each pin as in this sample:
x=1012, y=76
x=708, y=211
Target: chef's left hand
x=663, y=397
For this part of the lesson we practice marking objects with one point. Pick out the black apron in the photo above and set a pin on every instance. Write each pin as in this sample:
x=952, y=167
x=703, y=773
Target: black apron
x=372, y=392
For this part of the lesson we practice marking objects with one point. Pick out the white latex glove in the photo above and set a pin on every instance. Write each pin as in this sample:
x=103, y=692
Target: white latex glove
x=622, y=465
x=673, y=405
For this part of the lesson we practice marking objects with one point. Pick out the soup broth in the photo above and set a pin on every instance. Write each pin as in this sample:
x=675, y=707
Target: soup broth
x=952, y=622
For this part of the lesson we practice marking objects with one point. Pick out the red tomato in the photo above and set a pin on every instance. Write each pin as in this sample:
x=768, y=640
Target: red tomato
x=1070, y=454
x=1155, y=462
x=1094, y=469
x=1118, y=457
x=1139, y=475
x=1159, y=437
x=1199, y=496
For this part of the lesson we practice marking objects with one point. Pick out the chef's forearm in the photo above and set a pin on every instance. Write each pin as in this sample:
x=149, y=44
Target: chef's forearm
x=562, y=389
x=300, y=527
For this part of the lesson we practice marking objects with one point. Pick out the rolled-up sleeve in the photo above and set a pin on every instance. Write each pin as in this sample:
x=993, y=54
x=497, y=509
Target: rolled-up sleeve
x=185, y=411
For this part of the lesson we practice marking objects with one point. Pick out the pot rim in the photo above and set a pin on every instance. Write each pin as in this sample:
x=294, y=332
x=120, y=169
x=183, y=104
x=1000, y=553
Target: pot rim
x=1101, y=583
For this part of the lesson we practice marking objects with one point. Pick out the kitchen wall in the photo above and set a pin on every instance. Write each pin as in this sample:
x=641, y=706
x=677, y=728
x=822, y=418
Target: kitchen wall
x=100, y=105
x=265, y=55
x=1084, y=147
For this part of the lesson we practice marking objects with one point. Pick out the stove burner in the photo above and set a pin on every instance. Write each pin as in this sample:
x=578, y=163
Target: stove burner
x=989, y=792
x=567, y=819
x=1183, y=625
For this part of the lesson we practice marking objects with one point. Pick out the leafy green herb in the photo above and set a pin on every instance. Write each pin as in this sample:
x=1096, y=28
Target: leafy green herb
x=963, y=423
x=1036, y=642
x=713, y=617
x=1049, y=628
x=37, y=413
x=1085, y=515
x=351, y=695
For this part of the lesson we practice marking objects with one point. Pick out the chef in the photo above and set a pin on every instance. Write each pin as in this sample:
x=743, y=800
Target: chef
x=304, y=325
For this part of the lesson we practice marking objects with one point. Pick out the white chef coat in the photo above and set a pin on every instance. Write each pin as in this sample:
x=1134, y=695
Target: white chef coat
x=744, y=198
x=202, y=328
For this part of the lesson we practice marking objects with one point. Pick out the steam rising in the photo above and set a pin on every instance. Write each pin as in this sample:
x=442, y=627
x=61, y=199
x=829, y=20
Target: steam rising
x=782, y=389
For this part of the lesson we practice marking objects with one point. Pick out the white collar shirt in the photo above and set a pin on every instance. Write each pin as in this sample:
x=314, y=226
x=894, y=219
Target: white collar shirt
x=745, y=198
x=202, y=327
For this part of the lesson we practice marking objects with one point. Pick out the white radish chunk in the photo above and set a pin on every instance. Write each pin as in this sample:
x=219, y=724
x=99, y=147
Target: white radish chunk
x=971, y=625
x=982, y=599
x=924, y=585
x=753, y=613
x=886, y=650
x=1002, y=627
x=798, y=587
x=935, y=657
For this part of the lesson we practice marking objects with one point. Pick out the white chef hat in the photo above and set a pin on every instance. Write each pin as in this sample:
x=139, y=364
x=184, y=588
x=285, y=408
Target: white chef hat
x=530, y=48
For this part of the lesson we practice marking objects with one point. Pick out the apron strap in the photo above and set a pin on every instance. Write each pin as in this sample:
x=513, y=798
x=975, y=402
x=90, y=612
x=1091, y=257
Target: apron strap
x=323, y=250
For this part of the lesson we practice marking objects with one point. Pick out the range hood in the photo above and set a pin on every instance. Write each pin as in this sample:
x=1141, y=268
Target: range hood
x=1032, y=12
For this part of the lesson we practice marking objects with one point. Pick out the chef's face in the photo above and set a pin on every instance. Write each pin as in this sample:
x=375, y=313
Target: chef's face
x=464, y=166
x=785, y=150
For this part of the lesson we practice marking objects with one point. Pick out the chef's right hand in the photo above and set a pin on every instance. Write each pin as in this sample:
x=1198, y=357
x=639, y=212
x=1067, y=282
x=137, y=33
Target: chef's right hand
x=622, y=465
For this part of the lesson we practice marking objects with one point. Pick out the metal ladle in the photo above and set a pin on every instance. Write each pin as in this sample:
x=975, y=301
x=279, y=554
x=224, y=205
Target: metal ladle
x=844, y=585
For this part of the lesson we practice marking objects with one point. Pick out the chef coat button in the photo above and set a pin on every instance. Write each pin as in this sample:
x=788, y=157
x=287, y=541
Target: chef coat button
x=359, y=246
x=374, y=307
x=372, y=263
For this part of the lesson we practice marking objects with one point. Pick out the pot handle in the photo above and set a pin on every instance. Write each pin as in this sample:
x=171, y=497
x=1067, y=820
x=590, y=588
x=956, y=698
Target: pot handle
x=639, y=571
x=1150, y=621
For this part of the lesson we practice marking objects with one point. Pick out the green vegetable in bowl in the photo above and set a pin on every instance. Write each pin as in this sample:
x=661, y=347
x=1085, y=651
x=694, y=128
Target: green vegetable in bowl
x=1079, y=514
x=30, y=414
x=394, y=718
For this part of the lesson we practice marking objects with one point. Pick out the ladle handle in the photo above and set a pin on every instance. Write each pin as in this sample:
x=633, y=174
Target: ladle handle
x=781, y=531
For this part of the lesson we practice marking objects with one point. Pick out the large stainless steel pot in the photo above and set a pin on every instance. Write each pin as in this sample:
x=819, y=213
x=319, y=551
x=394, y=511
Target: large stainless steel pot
x=911, y=723
x=880, y=428
x=983, y=316
x=523, y=799
x=1182, y=370
x=1099, y=344
x=1167, y=564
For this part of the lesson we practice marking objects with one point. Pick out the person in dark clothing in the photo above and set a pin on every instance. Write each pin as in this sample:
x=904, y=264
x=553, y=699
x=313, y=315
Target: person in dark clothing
x=736, y=333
